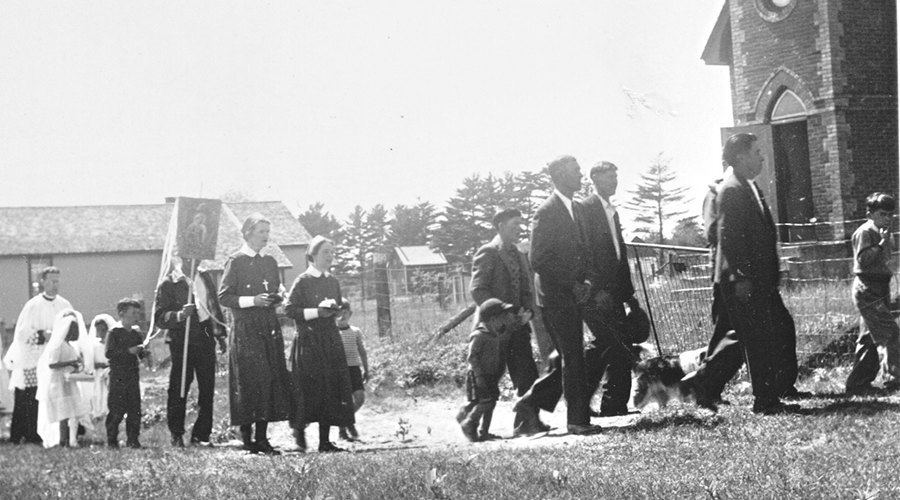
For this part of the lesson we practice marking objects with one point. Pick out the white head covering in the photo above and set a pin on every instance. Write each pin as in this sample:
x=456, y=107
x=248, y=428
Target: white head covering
x=92, y=347
x=47, y=420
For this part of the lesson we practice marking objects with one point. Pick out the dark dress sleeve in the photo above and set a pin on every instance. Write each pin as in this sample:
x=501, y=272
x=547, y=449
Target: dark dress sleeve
x=293, y=308
x=228, y=290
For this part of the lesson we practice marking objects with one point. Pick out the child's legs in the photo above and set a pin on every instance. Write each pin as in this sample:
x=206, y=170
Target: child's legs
x=486, y=417
x=865, y=365
x=874, y=306
x=117, y=406
x=873, y=301
x=133, y=409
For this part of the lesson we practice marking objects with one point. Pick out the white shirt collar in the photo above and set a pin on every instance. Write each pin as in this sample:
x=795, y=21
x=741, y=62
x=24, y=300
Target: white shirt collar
x=246, y=250
x=566, y=201
x=607, y=205
x=312, y=271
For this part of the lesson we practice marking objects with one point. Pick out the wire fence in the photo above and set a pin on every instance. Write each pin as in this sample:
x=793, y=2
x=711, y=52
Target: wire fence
x=673, y=283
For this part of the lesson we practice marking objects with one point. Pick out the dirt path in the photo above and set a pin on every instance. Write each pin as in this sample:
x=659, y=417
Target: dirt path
x=419, y=423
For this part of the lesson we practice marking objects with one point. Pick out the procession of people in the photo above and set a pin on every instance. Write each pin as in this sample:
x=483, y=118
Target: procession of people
x=68, y=376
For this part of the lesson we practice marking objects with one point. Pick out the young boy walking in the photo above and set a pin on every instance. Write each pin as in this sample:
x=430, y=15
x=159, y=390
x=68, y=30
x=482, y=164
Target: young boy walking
x=485, y=368
x=124, y=349
x=871, y=293
x=357, y=363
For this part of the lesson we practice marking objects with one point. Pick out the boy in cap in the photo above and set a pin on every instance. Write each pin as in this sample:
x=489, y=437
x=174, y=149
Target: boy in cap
x=485, y=368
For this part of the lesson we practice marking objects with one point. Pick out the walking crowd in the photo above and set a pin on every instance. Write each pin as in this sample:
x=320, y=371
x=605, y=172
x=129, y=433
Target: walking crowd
x=68, y=377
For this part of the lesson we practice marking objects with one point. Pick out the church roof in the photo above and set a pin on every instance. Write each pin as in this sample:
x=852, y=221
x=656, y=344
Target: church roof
x=718, y=47
x=132, y=228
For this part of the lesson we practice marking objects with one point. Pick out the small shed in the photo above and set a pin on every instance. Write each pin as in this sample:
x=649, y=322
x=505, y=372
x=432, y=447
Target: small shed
x=415, y=270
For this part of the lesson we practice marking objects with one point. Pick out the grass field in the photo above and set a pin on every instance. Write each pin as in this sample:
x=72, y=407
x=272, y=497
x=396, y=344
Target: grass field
x=837, y=447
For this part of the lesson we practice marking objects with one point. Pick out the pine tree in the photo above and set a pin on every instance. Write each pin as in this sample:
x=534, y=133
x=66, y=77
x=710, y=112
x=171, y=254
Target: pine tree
x=378, y=225
x=318, y=222
x=412, y=225
x=655, y=199
x=687, y=233
x=352, y=251
x=465, y=223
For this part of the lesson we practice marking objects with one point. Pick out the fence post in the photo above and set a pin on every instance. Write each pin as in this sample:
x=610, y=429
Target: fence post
x=382, y=295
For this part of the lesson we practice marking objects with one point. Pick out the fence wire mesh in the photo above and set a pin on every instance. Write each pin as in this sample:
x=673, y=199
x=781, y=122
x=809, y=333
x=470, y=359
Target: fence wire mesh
x=674, y=284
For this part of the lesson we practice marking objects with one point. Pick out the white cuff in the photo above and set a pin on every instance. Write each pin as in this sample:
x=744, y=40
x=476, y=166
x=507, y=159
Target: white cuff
x=310, y=313
x=245, y=301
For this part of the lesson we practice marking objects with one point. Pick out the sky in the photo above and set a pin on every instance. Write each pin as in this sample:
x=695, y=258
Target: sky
x=347, y=103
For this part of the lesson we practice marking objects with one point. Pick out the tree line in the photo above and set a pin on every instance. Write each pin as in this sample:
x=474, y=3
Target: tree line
x=464, y=223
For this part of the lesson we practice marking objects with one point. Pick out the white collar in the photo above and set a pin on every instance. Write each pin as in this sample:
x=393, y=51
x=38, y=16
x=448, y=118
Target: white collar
x=566, y=201
x=315, y=273
x=246, y=250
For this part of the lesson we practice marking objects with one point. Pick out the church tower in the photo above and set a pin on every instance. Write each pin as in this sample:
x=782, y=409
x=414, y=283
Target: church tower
x=816, y=80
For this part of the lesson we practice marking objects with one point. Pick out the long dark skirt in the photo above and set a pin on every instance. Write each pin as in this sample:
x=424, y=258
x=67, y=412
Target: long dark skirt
x=320, y=379
x=259, y=388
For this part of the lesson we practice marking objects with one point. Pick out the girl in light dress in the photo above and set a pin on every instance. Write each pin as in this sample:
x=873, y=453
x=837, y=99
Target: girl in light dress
x=96, y=391
x=60, y=403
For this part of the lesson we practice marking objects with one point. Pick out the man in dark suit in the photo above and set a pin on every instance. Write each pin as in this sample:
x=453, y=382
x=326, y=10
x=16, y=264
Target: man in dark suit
x=501, y=271
x=559, y=259
x=174, y=307
x=609, y=361
x=748, y=276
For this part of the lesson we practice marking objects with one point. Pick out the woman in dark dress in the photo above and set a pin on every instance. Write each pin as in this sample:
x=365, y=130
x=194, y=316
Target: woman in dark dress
x=259, y=384
x=320, y=378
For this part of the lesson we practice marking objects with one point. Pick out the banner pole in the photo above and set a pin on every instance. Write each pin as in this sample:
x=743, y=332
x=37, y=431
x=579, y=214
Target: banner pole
x=187, y=330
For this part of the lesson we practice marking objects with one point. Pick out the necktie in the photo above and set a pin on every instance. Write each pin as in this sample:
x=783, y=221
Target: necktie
x=515, y=271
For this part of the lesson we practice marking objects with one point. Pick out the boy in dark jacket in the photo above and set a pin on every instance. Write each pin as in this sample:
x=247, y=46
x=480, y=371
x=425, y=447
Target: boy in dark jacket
x=485, y=368
x=124, y=349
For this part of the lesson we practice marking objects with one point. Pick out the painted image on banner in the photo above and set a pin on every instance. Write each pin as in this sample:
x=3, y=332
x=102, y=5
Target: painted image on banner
x=198, y=227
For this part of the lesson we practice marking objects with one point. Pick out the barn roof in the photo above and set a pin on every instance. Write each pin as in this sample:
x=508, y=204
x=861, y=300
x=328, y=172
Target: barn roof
x=420, y=256
x=132, y=228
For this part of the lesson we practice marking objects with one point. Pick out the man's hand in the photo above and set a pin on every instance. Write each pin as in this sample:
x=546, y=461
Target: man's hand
x=742, y=290
x=480, y=381
x=223, y=346
x=136, y=350
x=365, y=376
x=187, y=311
x=524, y=315
x=327, y=312
x=262, y=300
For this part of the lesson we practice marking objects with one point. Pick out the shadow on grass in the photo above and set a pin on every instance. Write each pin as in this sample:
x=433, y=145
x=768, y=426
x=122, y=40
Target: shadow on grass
x=686, y=419
x=854, y=407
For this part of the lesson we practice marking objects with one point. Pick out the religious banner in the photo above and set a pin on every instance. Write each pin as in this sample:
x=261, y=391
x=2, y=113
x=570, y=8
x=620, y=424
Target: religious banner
x=198, y=227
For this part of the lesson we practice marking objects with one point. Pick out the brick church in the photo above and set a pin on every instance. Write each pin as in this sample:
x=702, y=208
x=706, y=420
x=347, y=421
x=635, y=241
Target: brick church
x=816, y=80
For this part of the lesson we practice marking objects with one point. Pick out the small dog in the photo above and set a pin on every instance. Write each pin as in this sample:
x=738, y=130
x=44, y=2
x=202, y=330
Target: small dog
x=660, y=379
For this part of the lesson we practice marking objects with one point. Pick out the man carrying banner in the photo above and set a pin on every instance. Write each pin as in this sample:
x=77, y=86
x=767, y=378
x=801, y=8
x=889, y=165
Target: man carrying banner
x=173, y=309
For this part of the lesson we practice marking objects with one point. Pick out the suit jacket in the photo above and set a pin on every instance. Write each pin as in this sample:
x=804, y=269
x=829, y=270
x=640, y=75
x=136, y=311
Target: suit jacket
x=172, y=296
x=747, y=243
x=558, y=253
x=492, y=276
x=607, y=271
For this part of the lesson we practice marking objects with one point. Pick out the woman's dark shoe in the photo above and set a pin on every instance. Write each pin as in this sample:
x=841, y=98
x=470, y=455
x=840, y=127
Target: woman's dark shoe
x=329, y=447
x=264, y=447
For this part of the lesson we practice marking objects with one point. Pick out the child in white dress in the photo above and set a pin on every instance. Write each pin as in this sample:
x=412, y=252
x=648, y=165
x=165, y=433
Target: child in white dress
x=96, y=391
x=60, y=404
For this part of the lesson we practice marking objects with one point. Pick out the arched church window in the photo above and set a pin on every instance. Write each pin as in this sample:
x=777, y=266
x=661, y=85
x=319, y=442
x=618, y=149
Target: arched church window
x=788, y=108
